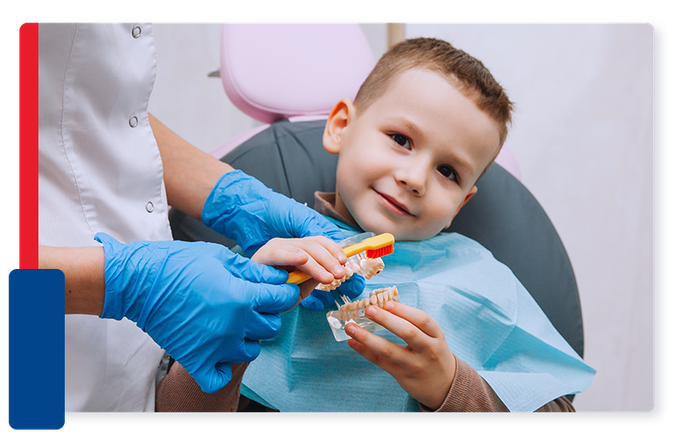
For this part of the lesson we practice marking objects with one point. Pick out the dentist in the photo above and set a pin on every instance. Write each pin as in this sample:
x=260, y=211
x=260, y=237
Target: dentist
x=107, y=172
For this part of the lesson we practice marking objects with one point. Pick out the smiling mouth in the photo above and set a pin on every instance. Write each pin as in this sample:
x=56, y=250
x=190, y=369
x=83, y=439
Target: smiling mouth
x=394, y=205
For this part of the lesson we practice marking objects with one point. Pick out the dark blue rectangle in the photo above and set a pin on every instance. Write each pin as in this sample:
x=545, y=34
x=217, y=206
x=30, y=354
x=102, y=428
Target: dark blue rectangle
x=37, y=349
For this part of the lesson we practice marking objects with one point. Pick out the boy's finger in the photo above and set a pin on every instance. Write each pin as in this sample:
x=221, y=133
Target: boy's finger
x=302, y=257
x=316, y=271
x=322, y=258
x=381, y=352
x=416, y=317
x=286, y=256
x=414, y=337
x=365, y=352
x=332, y=247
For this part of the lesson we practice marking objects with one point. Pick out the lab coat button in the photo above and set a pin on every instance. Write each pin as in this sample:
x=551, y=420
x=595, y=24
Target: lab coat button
x=149, y=207
x=133, y=121
x=136, y=32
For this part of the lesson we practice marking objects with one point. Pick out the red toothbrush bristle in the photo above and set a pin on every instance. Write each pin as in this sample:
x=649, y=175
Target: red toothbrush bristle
x=381, y=252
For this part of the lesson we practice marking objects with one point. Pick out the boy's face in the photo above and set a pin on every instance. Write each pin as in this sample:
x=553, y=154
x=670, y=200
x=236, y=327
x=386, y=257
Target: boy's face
x=409, y=162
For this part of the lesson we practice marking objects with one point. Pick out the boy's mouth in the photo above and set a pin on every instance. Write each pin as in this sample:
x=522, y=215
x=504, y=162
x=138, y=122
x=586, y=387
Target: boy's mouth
x=394, y=205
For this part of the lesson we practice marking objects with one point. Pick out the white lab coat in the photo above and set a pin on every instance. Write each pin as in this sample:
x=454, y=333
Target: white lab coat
x=100, y=171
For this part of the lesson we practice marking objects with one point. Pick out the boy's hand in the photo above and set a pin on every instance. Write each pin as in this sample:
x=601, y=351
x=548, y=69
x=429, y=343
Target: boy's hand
x=425, y=367
x=318, y=256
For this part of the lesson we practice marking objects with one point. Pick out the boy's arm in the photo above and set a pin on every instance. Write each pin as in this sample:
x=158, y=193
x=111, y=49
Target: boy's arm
x=471, y=393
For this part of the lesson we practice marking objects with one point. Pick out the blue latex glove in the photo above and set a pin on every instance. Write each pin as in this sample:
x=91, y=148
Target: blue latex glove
x=203, y=304
x=319, y=300
x=242, y=208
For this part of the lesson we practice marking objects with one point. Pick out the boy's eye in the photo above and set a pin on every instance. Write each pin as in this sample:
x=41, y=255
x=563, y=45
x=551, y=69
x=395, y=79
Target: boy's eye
x=401, y=140
x=448, y=172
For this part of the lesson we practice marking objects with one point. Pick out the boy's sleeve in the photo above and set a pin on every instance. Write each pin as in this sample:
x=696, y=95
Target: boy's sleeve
x=178, y=392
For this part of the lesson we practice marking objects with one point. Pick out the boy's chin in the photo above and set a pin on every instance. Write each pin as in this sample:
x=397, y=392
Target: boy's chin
x=400, y=233
x=373, y=227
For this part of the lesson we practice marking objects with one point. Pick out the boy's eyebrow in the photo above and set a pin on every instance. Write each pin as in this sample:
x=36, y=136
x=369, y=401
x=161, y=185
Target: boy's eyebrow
x=404, y=122
x=459, y=160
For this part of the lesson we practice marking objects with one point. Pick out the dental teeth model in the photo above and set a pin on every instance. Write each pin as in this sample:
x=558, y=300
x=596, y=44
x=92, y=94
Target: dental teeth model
x=354, y=312
x=378, y=297
x=360, y=264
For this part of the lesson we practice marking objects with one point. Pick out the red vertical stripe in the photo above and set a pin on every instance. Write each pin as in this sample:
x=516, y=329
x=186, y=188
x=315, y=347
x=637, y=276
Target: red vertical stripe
x=29, y=146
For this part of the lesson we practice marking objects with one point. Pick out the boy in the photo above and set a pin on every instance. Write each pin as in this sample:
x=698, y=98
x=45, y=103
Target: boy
x=425, y=125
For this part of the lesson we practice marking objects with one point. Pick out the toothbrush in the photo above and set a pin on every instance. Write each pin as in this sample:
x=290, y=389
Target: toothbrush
x=374, y=247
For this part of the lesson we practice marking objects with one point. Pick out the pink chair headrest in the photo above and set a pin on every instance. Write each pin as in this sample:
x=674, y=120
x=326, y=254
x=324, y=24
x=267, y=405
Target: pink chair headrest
x=277, y=71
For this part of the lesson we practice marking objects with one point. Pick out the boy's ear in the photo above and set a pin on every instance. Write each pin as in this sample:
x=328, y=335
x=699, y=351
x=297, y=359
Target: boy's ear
x=472, y=192
x=338, y=120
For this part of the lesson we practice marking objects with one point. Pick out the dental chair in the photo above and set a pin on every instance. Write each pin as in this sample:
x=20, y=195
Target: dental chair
x=286, y=77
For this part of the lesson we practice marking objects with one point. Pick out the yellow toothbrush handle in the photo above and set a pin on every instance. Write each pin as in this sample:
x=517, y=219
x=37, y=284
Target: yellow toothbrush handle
x=297, y=277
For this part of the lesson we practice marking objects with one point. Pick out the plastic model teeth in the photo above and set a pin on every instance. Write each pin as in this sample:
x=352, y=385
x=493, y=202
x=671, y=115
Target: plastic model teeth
x=354, y=312
x=360, y=264
x=378, y=297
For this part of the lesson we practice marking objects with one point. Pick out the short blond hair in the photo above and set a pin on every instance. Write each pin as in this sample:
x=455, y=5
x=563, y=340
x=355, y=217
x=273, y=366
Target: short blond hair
x=463, y=71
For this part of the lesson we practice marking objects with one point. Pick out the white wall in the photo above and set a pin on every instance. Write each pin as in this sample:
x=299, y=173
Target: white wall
x=582, y=134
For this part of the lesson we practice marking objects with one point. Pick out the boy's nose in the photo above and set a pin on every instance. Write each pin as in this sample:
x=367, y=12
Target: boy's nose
x=413, y=176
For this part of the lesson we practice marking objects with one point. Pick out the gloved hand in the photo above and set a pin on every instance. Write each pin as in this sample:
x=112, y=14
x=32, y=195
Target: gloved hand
x=242, y=208
x=319, y=300
x=203, y=304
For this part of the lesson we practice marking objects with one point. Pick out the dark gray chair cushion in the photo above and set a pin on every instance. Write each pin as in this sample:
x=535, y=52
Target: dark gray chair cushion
x=503, y=216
